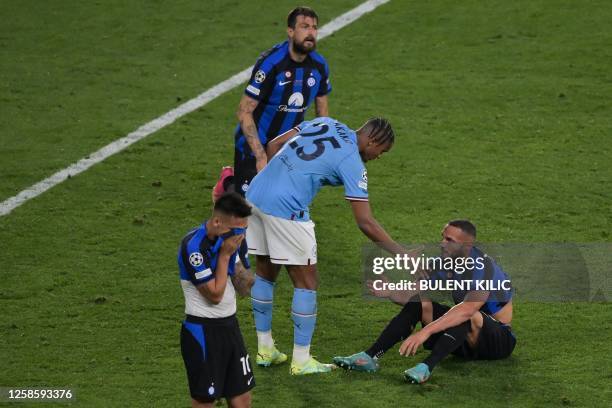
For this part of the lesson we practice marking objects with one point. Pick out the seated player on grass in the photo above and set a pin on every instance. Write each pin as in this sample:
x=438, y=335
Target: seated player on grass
x=477, y=327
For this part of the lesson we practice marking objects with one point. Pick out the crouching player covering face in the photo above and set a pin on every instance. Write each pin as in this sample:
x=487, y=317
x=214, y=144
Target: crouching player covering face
x=477, y=327
x=216, y=359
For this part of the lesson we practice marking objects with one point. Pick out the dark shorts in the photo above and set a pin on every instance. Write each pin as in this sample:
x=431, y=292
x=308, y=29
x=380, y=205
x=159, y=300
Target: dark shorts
x=496, y=340
x=244, y=171
x=216, y=360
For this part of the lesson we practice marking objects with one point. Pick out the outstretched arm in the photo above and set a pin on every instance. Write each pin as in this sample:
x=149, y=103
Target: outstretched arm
x=372, y=229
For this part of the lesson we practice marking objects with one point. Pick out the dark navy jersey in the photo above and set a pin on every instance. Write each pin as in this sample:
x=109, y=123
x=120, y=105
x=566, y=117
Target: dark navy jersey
x=285, y=89
x=198, y=255
x=491, y=272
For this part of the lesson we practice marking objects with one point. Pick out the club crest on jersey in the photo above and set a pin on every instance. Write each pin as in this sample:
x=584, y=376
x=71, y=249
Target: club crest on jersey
x=288, y=74
x=311, y=81
x=260, y=76
x=196, y=259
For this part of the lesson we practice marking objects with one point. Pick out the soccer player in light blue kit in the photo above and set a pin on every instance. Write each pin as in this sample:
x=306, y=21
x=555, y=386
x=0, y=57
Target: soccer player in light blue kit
x=313, y=154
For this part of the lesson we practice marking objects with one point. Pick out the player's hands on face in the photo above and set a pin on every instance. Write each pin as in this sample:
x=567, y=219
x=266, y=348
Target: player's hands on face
x=410, y=346
x=231, y=244
x=384, y=293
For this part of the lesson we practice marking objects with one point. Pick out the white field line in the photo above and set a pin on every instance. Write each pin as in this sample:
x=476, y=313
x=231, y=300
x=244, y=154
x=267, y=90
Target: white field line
x=168, y=118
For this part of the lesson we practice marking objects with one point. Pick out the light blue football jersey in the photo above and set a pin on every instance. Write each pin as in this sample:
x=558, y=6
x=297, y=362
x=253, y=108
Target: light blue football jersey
x=324, y=152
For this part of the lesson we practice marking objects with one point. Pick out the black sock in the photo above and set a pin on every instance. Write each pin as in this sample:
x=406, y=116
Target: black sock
x=398, y=328
x=449, y=341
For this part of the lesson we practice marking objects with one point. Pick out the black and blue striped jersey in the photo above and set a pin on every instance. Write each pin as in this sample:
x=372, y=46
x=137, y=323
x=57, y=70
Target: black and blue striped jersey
x=197, y=256
x=285, y=89
x=490, y=272
x=197, y=260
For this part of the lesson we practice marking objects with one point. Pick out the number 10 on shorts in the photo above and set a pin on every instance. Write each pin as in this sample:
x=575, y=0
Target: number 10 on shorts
x=246, y=368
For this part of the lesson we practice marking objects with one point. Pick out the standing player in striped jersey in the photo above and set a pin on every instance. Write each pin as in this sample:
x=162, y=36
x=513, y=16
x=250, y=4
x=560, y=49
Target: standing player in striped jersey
x=315, y=153
x=285, y=81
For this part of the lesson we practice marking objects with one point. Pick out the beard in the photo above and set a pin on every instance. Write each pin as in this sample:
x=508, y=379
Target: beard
x=303, y=49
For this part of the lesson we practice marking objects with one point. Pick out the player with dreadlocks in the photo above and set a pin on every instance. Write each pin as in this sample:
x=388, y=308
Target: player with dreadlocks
x=315, y=153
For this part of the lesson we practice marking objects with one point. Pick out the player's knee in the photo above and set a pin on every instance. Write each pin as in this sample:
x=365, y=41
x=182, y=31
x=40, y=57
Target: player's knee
x=240, y=401
x=312, y=282
x=266, y=269
x=199, y=404
x=304, y=276
x=476, y=321
x=307, y=282
x=426, y=312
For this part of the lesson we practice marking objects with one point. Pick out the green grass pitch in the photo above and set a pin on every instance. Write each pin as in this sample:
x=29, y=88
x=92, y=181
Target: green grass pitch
x=502, y=112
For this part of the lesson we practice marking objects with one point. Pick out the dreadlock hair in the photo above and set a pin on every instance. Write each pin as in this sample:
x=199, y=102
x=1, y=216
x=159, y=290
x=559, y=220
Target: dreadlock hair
x=381, y=131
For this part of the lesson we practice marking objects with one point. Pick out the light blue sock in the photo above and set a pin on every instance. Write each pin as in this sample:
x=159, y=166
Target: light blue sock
x=262, y=294
x=304, y=312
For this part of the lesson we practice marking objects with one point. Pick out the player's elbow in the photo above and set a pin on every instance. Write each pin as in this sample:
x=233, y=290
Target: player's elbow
x=244, y=113
x=215, y=298
x=239, y=114
x=366, y=226
x=210, y=295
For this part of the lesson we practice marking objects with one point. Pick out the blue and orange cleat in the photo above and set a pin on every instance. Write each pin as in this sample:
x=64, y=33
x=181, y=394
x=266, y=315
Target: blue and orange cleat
x=357, y=362
x=417, y=374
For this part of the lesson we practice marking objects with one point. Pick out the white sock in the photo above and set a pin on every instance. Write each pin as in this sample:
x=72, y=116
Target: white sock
x=264, y=339
x=301, y=354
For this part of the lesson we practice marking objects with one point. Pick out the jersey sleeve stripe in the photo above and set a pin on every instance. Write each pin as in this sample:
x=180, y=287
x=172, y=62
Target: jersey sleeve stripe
x=350, y=198
x=274, y=58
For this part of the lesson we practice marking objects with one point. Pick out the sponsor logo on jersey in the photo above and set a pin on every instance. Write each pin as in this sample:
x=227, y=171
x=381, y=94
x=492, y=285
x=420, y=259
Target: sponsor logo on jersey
x=296, y=99
x=296, y=102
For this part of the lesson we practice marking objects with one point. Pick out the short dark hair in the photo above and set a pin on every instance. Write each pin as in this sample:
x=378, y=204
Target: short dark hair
x=381, y=131
x=465, y=226
x=300, y=11
x=233, y=204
